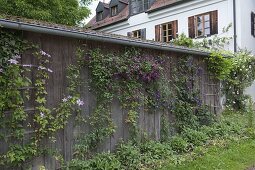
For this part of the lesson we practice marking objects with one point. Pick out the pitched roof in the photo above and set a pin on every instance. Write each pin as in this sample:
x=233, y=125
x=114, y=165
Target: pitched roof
x=105, y=4
x=124, y=1
x=161, y=4
x=124, y=14
x=81, y=33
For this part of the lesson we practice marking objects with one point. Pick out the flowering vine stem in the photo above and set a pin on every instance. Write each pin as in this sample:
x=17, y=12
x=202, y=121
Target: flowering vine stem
x=13, y=116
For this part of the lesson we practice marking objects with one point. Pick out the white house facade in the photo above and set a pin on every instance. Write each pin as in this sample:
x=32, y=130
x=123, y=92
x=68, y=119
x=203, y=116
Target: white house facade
x=164, y=20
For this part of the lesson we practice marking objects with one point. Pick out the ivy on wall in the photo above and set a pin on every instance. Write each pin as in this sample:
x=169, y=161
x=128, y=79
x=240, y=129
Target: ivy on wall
x=14, y=118
x=236, y=71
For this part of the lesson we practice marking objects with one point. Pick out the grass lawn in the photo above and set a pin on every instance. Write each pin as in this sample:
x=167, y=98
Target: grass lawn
x=236, y=156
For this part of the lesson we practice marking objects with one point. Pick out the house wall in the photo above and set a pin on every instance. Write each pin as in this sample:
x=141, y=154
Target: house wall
x=244, y=37
x=183, y=11
x=180, y=13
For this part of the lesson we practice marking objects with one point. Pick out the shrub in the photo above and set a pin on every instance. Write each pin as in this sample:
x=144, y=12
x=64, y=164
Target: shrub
x=194, y=137
x=204, y=116
x=129, y=155
x=102, y=161
x=179, y=145
x=156, y=150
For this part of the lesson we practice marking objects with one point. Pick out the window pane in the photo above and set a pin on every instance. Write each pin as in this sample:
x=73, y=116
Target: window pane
x=207, y=24
x=199, y=19
x=207, y=17
x=199, y=32
x=169, y=32
x=169, y=26
x=164, y=39
x=207, y=31
x=164, y=27
x=164, y=33
x=199, y=26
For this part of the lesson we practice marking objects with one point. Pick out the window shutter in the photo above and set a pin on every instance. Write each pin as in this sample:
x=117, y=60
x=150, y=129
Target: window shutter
x=191, y=27
x=143, y=34
x=252, y=24
x=214, y=22
x=157, y=33
x=129, y=34
x=175, y=29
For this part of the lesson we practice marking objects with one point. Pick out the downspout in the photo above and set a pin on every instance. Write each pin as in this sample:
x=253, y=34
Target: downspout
x=234, y=23
x=96, y=37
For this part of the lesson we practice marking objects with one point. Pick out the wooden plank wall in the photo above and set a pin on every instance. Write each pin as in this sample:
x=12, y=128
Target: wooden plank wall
x=62, y=51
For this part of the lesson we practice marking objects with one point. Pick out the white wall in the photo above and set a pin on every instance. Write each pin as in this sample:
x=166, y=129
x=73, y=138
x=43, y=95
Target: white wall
x=244, y=37
x=180, y=13
x=183, y=11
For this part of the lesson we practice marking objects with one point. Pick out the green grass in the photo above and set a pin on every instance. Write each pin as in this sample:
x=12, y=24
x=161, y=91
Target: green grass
x=236, y=156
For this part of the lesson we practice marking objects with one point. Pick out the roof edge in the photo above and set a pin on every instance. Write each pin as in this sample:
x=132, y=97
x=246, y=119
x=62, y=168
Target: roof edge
x=107, y=25
x=19, y=25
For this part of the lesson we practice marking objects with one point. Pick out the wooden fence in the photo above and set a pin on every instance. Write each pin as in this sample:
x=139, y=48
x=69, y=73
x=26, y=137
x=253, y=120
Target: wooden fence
x=63, y=50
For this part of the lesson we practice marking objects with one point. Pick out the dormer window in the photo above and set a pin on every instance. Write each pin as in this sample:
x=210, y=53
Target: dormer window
x=114, y=10
x=138, y=6
x=100, y=16
x=102, y=11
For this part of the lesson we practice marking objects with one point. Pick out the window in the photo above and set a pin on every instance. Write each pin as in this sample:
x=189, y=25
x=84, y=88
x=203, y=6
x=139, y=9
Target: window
x=138, y=34
x=100, y=16
x=203, y=24
x=253, y=24
x=138, y=6
x=166, y=32
x=114, y=10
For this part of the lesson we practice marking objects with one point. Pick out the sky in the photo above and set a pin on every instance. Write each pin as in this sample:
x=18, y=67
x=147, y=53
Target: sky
x=92, y=7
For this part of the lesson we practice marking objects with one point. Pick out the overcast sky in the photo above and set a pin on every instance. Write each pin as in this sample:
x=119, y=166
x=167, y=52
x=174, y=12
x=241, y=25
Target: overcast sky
x=92, y=7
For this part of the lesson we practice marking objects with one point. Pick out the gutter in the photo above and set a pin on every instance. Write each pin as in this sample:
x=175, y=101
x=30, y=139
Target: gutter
x=18, y=25
x=234, y=23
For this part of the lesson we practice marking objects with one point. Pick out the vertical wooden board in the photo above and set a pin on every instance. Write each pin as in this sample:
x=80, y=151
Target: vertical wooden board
x=150, y=124
x=84, y=128
x=126, y=134
x=37, y=163
x=71, y=46
x=52, y=46
x=157, y=125
x=104, y=146
x=141, y=120
x=146, y=122
x=117, y=120
x=201, y=87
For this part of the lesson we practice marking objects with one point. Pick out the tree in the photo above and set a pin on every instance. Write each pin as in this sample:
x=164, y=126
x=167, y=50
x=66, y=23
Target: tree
x=68, y=12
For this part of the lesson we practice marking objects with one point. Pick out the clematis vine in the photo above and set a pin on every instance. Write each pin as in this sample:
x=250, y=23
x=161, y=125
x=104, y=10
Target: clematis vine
x=13, y=61
x=43, y=53
x=79, y=102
